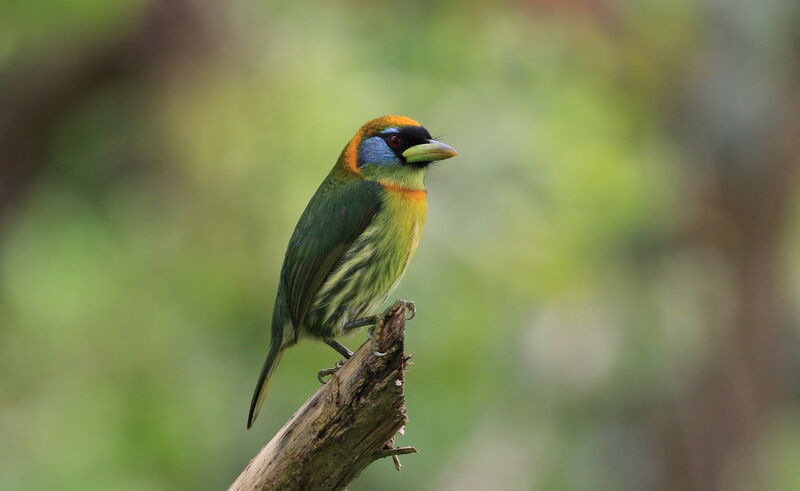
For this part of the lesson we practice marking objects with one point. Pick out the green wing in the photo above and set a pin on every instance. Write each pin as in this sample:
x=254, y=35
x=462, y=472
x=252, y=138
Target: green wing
x=336, y=215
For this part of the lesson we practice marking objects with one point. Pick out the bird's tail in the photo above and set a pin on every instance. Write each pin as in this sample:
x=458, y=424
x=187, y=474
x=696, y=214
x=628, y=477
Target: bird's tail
x=262, y=385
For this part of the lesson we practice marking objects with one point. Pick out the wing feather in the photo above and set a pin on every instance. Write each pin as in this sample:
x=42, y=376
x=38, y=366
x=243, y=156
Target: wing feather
x=336, y=215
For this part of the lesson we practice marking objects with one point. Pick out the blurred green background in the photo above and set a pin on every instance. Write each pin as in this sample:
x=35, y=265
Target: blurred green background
x=606, y=287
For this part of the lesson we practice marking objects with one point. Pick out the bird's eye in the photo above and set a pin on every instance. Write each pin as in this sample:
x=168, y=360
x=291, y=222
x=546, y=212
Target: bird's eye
x=394, y=141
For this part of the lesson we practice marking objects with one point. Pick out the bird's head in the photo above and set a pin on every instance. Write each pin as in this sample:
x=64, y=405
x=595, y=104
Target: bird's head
x=393, y=148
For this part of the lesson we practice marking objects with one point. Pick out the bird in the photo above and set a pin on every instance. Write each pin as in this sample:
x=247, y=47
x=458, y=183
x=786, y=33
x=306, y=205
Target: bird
x=354, y=241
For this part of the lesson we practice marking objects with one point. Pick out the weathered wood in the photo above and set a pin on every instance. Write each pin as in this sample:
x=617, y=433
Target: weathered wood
x=347, y=424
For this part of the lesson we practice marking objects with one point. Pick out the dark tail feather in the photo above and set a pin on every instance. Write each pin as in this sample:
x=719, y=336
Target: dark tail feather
x=262, y=385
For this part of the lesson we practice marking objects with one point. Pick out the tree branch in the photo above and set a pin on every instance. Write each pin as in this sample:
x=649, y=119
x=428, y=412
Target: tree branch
x=349, y=423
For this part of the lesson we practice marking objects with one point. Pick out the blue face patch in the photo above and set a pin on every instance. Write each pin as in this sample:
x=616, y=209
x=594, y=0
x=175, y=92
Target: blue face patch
x=375, y=151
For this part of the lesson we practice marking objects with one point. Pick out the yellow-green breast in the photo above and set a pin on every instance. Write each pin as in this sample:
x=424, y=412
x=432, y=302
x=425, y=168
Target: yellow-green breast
x=373, y=266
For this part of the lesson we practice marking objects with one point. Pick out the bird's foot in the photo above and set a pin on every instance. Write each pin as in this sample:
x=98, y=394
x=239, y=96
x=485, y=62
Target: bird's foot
x=329, y=371
x=371, y=335
x=410, y=311
x=340, y=348
x=365, y=321
x=409, y=306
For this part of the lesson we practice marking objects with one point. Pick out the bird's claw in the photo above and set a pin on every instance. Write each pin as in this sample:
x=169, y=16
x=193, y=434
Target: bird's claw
x=329, y=371
x=410, y=307
x=410, y=311
x=371, y=335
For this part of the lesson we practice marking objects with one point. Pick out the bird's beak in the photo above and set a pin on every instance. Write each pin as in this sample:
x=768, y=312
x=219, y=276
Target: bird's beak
x=428, y=152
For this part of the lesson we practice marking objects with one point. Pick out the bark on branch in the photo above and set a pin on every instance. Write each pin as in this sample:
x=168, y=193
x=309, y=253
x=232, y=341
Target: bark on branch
x=349, y=423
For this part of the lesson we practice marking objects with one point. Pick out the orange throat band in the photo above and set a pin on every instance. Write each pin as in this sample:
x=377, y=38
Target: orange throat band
x=407, y=193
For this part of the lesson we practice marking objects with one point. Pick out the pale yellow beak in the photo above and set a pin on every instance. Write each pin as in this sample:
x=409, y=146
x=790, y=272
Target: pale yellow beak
x=428, y=152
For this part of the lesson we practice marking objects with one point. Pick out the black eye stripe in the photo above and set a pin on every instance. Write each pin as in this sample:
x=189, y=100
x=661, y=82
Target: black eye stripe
x=411, y=135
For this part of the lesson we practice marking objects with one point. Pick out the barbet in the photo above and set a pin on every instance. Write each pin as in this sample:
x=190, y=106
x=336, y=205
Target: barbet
x=354, y=240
